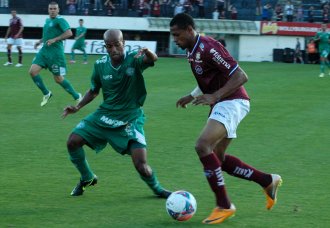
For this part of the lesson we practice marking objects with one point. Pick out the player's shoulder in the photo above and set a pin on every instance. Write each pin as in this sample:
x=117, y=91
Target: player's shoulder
x=102, y=60
x=131, y=53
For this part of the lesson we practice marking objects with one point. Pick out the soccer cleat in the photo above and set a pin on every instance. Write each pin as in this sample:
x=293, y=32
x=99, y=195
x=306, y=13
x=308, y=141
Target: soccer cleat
x=81, y=186
x=46, y=98
x=271, y=191
x=321, y=75
x=19, y=65
x=163, y=193
x=79, y=98
x=72, y=61
x=8, y=64
x=219, y=215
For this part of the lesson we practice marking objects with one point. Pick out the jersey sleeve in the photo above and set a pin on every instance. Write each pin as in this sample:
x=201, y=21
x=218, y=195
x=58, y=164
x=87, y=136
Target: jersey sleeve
x=95, y=80
x=141, y=65
x=64, y=25
x=220, y=58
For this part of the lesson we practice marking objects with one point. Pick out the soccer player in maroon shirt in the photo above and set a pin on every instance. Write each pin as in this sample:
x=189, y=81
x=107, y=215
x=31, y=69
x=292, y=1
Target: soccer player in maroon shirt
x=14, y=36
x=220, y=84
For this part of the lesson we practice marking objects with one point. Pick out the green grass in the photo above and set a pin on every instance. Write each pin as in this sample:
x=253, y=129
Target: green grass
x=286, y=132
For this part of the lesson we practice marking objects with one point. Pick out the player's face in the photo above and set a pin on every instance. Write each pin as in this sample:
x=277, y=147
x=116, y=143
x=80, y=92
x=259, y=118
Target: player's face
x=182, y=37
x=115, y=48
x=13, y=13
x=53, y=10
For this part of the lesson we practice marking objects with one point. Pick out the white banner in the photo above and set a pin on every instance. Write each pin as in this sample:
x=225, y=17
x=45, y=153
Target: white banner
x=92, y=46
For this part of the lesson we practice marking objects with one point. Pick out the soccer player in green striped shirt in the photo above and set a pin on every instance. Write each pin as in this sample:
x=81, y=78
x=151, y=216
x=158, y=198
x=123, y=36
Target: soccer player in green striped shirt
x=323, y=38
x=119, y=120
x=51, y=55
x=79, y=44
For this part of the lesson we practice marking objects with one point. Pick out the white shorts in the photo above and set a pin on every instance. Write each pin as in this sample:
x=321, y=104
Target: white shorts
x=17, y=42
x=230, y=113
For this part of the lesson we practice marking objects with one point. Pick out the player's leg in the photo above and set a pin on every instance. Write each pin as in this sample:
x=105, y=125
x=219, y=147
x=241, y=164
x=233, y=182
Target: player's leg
x=77, y=155
x=139, y=158
x=322, y=63
x=9, y=62
x=20, y=56
x=66, y=85
x=210, y=136
x=34, y=73
x=84, y=55
x=72, y=60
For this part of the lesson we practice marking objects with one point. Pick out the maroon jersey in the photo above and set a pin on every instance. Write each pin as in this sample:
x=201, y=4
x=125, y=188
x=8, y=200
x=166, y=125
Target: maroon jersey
x=15, y=24
x=212, y=66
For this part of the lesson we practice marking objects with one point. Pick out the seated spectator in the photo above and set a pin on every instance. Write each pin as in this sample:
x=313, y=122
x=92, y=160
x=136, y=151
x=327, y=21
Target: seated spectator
x=4, y=3
x=310, y=14
x=279, y=12
x=215, y=14
x=178, y=8
x=201, y=9
x=289, y=8
x=110, y=7
x=233, y=12
x=71, y=7
x=220, y=4
x=187, y=7
x=266, y=12
x=155, y=8
x=325, y=14
x=97, y=5
x=222, y=15
x=165, y=8
x=82, y=4
x=300, y=13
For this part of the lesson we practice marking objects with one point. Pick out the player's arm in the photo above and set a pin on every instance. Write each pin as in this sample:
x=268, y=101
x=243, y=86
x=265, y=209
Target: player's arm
x=149, y=56
x=88, y=97
x=183, y=101
x=7, y=33
x=63, y=36
x=81, y=35
x=237, y=79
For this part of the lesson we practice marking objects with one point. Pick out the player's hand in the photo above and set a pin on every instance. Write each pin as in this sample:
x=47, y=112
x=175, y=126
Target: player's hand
x=36, y=44
x=141, y=52
x=15, y=37
x=69, y=110
x=183, y=101
x=205, y=99
x=50, y=42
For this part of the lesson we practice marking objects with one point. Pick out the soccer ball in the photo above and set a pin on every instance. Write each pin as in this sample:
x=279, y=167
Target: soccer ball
x=181, y=205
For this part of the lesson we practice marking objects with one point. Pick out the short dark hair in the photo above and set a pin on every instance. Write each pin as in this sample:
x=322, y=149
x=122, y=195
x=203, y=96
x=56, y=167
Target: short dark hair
x=81, y=19
x=182, y=20
x=53, y=3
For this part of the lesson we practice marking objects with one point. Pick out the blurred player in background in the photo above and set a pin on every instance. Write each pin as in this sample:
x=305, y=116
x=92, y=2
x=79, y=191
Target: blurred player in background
x=220, y=85
x=51, y=55
x=14, y=36
x=298, y=53
x=119, y=120
x=79, y=44
x=322, y=37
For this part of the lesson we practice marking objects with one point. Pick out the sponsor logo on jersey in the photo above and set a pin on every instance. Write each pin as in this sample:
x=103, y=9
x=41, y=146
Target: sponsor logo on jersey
x=107, y=77
x=198, y=70
x=201, y=46
x=130, y=71
x=111, y=122
x=218, y=58
x=198, y=58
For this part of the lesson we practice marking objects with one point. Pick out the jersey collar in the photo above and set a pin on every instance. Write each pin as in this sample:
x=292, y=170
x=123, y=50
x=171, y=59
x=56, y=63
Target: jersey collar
x=189, y=54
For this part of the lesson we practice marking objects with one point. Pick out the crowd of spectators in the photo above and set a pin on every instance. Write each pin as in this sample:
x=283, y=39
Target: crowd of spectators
x=297, y=13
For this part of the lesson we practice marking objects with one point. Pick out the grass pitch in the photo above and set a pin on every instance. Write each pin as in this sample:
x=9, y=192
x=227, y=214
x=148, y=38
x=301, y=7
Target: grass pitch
x=286, y=132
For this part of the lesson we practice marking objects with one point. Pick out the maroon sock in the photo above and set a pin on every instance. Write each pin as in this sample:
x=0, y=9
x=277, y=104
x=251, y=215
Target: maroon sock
x=235, y=167
x=213, y=173
x=9, y=55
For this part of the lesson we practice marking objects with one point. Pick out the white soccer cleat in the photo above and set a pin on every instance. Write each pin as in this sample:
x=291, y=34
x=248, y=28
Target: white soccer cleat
x=19, y=65
x=46, y=98
x=271, y=191
x=8, y=64
x=321, y=75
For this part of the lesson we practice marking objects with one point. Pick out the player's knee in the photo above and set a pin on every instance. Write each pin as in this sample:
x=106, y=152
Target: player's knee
x=202, y=148
x=74, y=142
